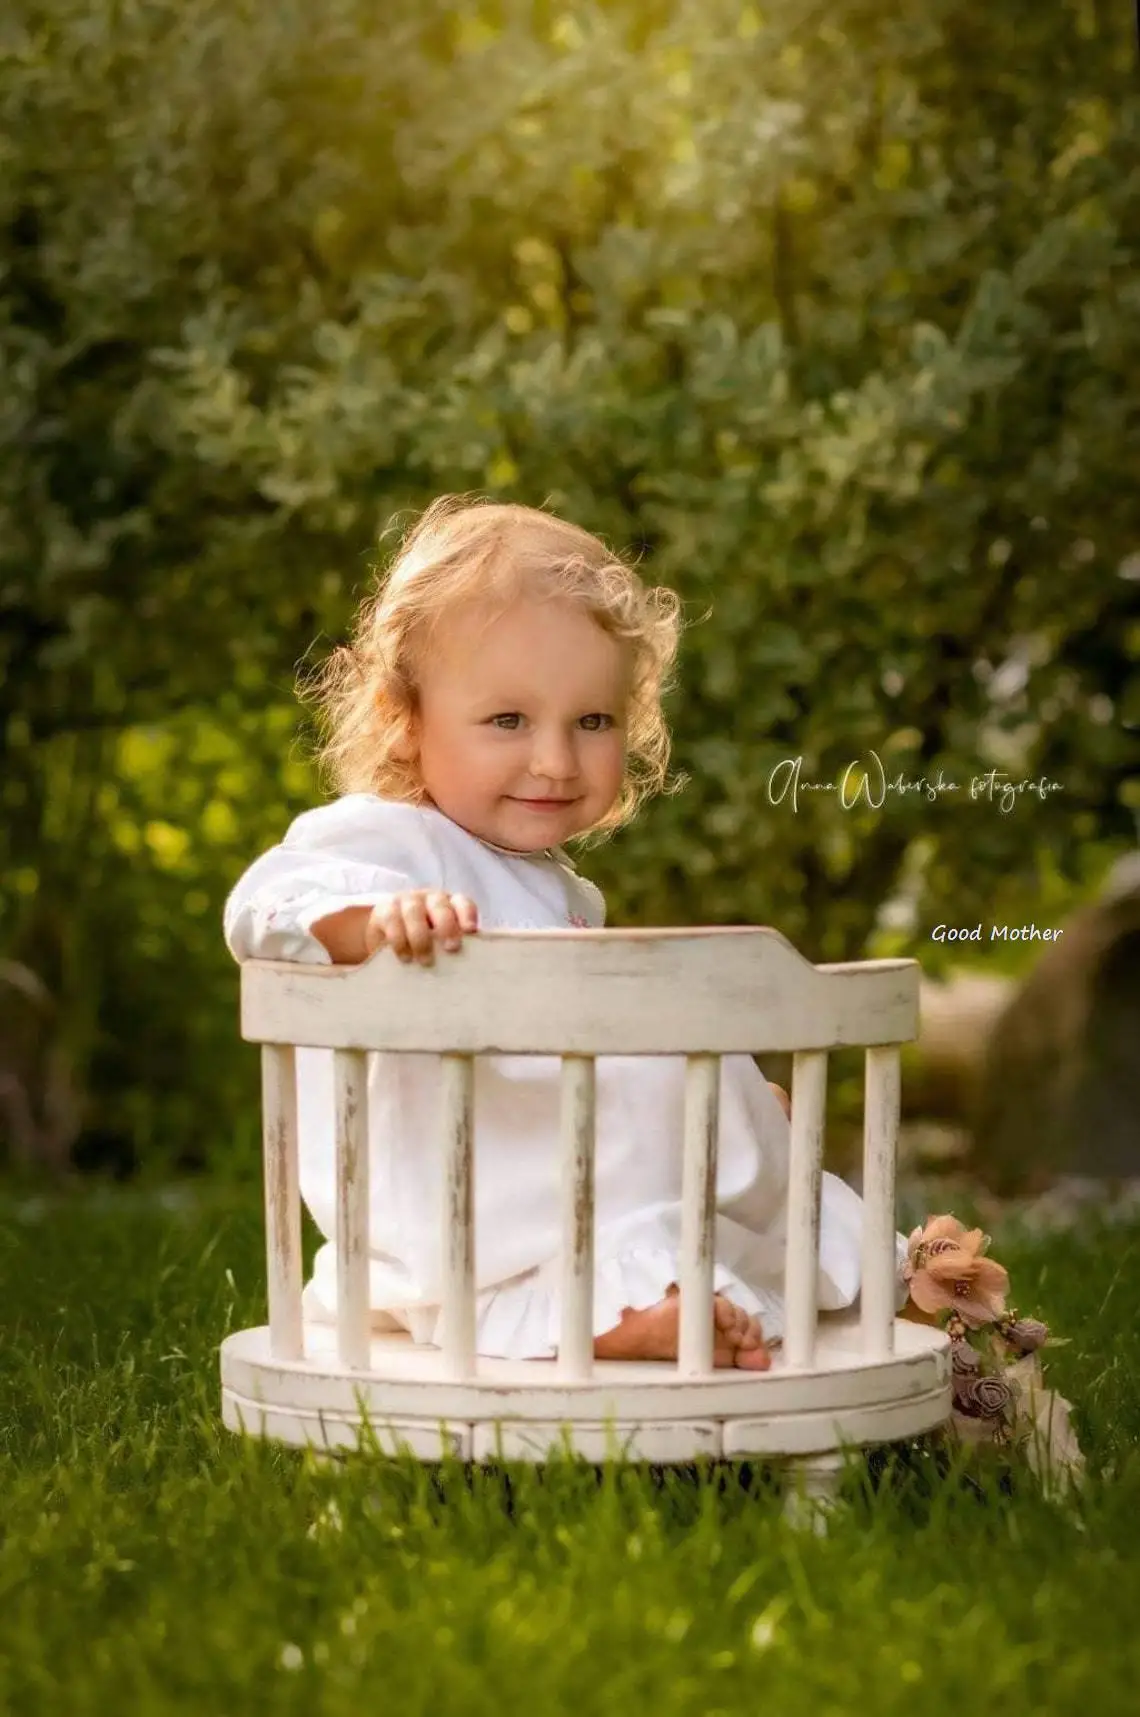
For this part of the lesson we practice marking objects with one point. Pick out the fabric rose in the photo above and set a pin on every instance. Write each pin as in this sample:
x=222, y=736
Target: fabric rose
x=963, y=1358
x=982, y=1397
x=947, y=1270
x=1026, y=1335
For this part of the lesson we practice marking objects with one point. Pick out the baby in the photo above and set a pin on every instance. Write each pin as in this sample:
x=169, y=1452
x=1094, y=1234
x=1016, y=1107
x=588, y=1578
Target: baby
x=501, y=697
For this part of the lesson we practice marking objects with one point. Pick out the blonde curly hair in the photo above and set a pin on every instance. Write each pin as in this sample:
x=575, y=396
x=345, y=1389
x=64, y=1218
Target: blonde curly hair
x=463, y=549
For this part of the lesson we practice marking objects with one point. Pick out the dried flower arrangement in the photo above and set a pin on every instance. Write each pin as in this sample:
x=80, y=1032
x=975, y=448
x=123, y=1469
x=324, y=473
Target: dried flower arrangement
x=1000, y=1397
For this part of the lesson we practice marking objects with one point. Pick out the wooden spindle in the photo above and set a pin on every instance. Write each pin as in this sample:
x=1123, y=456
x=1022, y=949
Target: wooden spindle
x=282, y=1200
x=576, y=1334
x=880, y=1145
x=458, y=1122
x=353, y=1313
x=805, y=1185
x=698, y=1214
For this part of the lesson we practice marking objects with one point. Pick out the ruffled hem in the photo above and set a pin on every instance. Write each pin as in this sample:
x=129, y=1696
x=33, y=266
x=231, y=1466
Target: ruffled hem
x=636, y=1261
x=521, y=1318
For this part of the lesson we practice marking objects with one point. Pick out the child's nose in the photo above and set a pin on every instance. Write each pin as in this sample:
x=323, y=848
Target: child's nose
x=555, y=757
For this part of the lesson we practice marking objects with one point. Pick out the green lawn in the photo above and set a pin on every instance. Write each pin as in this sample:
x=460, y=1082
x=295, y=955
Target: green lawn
x=151, y=1563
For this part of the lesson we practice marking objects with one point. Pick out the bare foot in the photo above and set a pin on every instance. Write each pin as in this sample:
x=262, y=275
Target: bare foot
x=652, y=1333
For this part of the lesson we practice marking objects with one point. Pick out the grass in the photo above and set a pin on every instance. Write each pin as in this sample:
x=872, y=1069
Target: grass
x=152, y=1563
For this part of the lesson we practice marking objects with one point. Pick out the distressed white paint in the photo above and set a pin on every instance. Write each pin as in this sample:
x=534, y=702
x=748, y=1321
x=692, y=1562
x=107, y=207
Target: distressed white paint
x=796, y=1434
x=858, y=1377
x=409, y=1382
x=805, y=1185
x=576, y=1340
x=880, y=1148
x=459, y=1239
x=353, y=1315
x=344, y=1434
x=543, y=1441
x=698, y=1214
x=282, y=1200
x=596, y=992
x=829, y=1430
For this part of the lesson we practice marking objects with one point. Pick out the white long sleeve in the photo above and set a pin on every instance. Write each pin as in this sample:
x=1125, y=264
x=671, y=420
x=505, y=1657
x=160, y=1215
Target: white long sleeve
x=357, y=851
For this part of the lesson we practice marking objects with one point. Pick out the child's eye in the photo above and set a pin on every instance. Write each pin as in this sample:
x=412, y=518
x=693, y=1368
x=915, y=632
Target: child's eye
x=507, y=721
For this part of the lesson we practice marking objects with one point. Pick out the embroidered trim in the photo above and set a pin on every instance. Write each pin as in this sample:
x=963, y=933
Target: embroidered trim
x=508, y=852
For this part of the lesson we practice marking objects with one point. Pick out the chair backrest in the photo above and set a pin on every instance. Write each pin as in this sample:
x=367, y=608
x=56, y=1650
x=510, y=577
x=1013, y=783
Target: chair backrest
x=577, y=995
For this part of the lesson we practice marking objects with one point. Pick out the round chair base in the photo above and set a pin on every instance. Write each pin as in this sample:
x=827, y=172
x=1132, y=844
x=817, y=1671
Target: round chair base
x=525, y=1410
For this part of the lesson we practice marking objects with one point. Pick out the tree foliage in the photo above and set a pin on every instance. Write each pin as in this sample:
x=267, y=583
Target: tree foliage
x=828, y=311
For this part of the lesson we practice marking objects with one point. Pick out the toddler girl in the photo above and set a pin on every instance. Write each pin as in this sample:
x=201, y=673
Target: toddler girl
x=502, y=696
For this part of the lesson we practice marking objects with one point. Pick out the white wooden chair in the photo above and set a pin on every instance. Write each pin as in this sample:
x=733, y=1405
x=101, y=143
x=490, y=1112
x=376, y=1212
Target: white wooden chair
x=839, y=1380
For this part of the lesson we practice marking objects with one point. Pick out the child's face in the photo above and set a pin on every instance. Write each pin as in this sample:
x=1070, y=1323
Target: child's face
x=529, y=707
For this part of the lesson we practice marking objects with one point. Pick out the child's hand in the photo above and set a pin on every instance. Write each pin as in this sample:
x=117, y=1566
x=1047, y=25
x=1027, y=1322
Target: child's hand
x=411, y=923
x=782, y=1098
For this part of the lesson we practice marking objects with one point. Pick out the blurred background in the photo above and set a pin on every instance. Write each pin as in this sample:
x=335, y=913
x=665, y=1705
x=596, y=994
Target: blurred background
x=828, y=312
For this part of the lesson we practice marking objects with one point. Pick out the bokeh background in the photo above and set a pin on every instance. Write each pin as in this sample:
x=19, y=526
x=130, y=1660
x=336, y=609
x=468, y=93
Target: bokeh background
x=829, y=312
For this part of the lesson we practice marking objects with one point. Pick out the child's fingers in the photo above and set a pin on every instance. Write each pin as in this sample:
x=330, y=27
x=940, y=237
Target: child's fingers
x=466, y=911
x=418, y=926
x=430, y=916
x=451, y=916
x=461, y=918
x=399, y=925
x=411, y=923
x=395, y=929
x=444, y=920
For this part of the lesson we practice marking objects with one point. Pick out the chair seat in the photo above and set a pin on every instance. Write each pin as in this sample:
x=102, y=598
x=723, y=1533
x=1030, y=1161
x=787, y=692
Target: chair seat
x=525, y=1410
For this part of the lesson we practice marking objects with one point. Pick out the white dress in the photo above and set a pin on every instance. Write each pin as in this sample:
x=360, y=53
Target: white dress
x=358, y=851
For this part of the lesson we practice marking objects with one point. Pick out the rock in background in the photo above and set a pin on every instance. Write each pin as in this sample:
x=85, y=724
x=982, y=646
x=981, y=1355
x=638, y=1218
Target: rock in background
x=1015, y=1087
x=1058, y=1088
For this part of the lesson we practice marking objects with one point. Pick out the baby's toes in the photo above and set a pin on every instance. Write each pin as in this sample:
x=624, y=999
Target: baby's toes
x=730, y=1320
x=724, y=1315
x=752, y=1359
x=752, y=1334
x=752, y=1353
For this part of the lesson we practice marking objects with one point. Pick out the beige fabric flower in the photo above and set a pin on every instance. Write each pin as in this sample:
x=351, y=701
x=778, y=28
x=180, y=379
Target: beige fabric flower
x=947, y=1270
x=1044, y=1425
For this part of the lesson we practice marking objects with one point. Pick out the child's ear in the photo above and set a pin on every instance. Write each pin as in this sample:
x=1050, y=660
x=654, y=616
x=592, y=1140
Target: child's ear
x=406, y=746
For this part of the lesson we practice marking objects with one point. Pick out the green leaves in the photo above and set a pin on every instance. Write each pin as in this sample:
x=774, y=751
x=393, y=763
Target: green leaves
x=830, y=318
